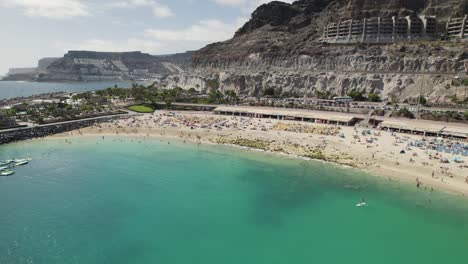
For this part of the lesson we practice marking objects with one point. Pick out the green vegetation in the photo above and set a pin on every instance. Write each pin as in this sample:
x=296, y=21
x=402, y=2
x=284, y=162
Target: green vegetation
x=249, y=143
x=151, y=95
x=213, y=84
x=217, y=97
x=356, y=95
x=316, y=154
x=422, y=100
x=373, y=97
x=324, y=95
x=275, y=92
x=454, y=115
x=141, y=108
x=269, y=91
x=404, y=112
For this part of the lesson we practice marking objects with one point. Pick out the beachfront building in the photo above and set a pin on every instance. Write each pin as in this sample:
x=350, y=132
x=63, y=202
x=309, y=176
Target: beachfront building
x=426, y=128
x=6, y=121
x=381, y=30
x=320, y=117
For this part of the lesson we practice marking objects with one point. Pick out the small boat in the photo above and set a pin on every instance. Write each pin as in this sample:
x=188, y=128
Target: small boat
x=4, y=168
x=5, y=162
x=6, y=173
x=20, y=163
x=20, y=160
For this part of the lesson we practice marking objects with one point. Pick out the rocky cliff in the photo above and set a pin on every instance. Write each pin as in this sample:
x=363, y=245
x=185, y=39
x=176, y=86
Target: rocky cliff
x=29, y=74
x=101, y=66
x=280, y=47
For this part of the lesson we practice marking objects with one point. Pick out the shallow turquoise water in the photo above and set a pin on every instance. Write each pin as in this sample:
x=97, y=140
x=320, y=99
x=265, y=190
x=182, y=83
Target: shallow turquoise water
x=120, y=201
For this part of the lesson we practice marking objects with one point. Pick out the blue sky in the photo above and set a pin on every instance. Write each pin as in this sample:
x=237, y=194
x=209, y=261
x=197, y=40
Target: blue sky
x=33, y=29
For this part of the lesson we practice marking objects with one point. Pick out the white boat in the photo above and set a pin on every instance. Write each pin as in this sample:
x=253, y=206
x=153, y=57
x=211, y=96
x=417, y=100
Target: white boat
x=361, y=204
x=4, y=168
x=6, y=173
x=6, y=162
x=21, y=162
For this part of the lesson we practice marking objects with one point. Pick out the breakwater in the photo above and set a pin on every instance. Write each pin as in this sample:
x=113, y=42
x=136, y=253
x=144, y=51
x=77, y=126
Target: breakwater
x=18, y=134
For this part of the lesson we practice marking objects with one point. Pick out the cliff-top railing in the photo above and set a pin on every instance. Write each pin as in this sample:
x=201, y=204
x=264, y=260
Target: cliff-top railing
x=394, y=29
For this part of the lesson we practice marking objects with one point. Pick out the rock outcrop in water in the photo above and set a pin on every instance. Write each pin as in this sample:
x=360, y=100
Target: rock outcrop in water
x=280, y=47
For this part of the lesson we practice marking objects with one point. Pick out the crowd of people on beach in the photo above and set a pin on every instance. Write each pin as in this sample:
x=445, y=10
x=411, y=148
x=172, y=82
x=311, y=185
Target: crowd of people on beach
x=363, y=147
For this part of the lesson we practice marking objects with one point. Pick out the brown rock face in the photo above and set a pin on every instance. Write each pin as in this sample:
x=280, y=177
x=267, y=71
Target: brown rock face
x=370, y=8
x=280, y=47
x=102, y=66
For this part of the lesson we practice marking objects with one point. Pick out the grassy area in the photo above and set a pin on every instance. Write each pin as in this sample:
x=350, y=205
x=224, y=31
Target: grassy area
x=141, y=108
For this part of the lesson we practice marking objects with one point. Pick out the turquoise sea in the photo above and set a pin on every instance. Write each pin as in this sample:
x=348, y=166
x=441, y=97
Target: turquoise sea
x=9, y=89
x=113, y=200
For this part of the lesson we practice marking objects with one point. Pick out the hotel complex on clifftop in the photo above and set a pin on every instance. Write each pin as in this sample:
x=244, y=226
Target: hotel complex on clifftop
x=394, y=29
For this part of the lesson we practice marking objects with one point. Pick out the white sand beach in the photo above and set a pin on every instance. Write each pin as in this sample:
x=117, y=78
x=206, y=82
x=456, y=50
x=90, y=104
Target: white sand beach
x=377, y=152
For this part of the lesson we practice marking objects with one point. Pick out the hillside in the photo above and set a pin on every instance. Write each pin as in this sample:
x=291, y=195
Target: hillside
x=106, y=66
x=281, y=46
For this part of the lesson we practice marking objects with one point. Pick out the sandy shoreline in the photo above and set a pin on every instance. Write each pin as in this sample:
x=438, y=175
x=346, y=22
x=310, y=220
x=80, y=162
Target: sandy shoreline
x=376, y=152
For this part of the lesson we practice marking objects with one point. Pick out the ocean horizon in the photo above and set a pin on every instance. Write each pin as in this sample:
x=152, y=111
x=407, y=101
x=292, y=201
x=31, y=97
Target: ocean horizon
x=129, y=200
x=12, y=89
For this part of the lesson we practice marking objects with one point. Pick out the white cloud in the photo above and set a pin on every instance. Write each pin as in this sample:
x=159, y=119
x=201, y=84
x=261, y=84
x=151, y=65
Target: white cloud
x=162, y=41
x=162, y=11
x=132, y=44
x=246, y=5
x=235, y=3
x=159, y=10
x=55, y=9
x=203, y=32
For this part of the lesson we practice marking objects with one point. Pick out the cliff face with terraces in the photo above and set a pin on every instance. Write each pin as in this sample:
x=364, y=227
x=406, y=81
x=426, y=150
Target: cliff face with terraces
x=280, y=47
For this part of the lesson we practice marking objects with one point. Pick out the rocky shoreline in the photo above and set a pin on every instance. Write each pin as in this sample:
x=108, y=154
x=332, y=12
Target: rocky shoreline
x=19, y=134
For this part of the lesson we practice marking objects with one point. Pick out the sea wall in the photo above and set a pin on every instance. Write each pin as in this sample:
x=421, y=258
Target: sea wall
x=13, y=135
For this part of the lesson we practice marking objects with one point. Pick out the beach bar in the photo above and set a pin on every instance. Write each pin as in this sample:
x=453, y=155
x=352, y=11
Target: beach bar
x=426, y=128
x=288, y=114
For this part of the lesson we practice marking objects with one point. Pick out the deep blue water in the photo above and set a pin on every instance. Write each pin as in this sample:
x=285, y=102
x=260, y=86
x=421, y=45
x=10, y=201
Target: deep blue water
x=10, y=89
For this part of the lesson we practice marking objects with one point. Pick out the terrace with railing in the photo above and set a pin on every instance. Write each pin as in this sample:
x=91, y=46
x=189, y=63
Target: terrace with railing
x=392, y=30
